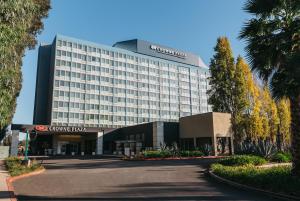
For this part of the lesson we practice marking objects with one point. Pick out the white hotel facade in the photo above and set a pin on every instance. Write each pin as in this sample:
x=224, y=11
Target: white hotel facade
x=80, y=83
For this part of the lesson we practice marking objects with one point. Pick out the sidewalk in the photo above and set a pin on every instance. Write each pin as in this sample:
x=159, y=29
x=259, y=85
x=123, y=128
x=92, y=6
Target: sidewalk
x=274, y=165
x=4, y=192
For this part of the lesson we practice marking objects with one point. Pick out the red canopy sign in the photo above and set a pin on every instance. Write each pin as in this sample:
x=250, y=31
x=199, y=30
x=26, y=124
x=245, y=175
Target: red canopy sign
x=41, y=128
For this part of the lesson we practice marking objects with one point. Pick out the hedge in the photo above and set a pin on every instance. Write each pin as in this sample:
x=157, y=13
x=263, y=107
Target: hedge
x=277, y=179
x=242, y=160
x=282, y=157
x=166, y=154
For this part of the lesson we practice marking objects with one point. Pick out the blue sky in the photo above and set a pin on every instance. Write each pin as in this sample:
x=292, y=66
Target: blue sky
x=191, y=25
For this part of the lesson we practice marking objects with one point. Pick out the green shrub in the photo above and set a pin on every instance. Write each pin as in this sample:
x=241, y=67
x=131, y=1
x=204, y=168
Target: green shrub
x=282, y=157
x=157, y=154
x=243, y=160
x=167, y=153
x=276, y=179
x=11, y=162
x=15, y=167
x=185, y=153
x=206, y=149
x=191, y=153
x=197, y=153
x=151, y=154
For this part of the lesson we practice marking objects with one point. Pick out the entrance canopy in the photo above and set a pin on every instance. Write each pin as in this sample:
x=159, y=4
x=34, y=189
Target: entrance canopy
x=49, y=129
x=50, y=139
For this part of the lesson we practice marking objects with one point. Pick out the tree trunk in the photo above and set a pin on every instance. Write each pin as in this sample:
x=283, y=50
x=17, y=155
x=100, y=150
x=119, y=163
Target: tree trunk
x=295, y=128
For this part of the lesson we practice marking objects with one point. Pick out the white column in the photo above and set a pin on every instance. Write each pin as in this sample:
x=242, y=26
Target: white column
x=195, y=142
x=158, y=134
x=231, y=144
x=214, y=145
x=99, y=147
x=14, y=143
x=54, y=145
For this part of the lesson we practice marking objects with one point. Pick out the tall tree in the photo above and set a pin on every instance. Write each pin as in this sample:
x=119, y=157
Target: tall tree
x=227, y=81
x=284, y=114
x=254, y=124
x=240, y=91
x=221, y=75
x=269, y=114
x=20, y=22
x=273, y=48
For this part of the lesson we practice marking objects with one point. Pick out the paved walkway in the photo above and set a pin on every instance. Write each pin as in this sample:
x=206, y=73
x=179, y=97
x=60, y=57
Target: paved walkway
x=113, y=179
x=4, y=193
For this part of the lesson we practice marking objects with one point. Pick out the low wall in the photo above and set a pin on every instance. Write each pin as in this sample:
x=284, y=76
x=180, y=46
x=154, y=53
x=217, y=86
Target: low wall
x=4, y=152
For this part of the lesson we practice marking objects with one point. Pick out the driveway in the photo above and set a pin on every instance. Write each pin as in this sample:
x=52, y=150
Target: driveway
x=112, y=179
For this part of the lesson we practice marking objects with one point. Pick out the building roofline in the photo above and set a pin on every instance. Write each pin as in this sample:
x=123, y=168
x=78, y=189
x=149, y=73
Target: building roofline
x=202, y=67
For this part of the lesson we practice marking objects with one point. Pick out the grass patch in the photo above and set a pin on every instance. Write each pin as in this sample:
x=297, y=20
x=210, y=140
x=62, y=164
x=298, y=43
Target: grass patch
x=276, y=179
x=15, y=167
x=242, y=160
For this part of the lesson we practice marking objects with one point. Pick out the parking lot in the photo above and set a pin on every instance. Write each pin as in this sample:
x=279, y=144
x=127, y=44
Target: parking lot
x=114, y=179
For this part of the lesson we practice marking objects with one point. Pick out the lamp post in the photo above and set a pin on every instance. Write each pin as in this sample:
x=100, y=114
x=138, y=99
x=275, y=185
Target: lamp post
x=26, y=146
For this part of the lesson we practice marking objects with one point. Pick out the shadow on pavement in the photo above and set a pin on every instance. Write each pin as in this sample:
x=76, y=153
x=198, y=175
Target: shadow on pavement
x=41, y=198
x=5, y=195
x=117, y=163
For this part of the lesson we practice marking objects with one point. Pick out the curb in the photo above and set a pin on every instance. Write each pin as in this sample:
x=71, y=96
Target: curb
x=9, y=181
x=249, y=188
x=183, y=158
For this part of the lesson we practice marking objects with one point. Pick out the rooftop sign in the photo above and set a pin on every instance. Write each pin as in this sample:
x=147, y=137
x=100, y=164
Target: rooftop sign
x=168, y=51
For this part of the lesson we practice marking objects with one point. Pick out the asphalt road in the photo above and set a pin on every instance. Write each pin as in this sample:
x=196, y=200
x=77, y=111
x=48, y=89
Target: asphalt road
x=113, y=179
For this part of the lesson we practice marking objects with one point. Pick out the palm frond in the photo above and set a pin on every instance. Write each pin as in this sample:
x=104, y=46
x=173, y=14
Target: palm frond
x=261, y=7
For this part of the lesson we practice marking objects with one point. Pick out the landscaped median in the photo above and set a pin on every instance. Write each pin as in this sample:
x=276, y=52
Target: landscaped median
x=251, y=171
x=170, y=155
x=18, y=170
x=15, y=167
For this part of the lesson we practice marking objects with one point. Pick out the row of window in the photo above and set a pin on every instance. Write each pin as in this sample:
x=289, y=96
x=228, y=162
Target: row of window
x=117, y=91
x=87, y=117
x=136, y=102
x=113, y=63
x=124, y=72
x=115, y=124
x=98, y=51
x=152, y=100
x=109, y=121
x=116, y=73
x=143, y=88
x=86, y=48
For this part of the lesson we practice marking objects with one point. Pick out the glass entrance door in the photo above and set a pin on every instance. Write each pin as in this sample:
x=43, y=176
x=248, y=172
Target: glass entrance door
x=68, y=148
x=90, y=146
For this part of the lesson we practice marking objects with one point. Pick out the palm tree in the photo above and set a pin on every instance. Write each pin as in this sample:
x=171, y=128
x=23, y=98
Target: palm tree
x=273, y=47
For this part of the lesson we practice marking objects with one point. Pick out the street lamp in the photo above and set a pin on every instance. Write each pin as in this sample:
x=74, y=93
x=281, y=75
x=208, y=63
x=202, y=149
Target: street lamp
x=26, y=146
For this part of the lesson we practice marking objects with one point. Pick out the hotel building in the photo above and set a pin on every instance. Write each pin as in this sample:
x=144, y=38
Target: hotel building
x=94, y=99
x=80, y=83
